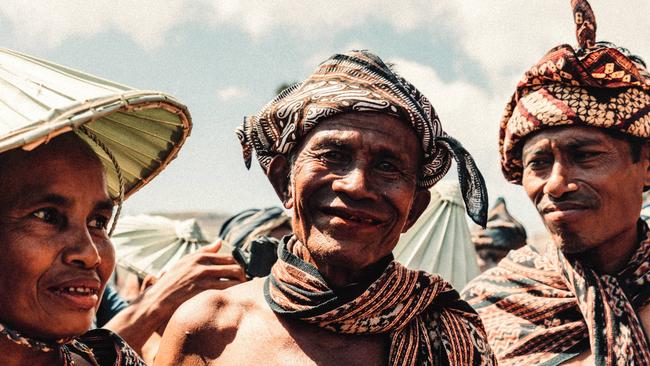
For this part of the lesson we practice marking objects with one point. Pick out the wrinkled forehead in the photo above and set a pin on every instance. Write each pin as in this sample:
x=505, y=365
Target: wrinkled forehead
x=51, y=166
x=371, y=130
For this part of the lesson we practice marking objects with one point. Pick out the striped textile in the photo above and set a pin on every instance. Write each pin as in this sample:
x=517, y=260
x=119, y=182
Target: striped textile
x=427, y=322
x=546, y=309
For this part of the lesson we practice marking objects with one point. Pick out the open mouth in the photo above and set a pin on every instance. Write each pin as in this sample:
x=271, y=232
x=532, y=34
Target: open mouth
x=77, y=291
x=350, y=215
x=79, y=295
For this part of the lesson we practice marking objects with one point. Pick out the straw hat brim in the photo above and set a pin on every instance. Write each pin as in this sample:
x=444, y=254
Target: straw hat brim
x=144, y=130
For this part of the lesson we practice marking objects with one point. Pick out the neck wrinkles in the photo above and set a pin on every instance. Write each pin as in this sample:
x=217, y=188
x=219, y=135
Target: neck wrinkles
x=342, y=281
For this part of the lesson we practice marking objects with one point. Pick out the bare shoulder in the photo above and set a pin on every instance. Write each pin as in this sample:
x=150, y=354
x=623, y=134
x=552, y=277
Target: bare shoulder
x=202, y=327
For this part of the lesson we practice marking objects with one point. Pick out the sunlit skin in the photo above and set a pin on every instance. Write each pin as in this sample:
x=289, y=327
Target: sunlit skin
x=54, y=211
x=587, y=189
x=352, y=190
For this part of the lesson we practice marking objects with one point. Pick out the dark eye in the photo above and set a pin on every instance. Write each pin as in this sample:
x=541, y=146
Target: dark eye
x=537, y=163
x=585, y=155
x=333, y=156
x=99, y=222
x=387, y=167
x=50, y=216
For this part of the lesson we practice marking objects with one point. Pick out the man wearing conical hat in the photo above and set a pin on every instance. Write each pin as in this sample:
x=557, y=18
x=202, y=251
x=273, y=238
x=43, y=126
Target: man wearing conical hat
x=351, y=152
x=575, y=137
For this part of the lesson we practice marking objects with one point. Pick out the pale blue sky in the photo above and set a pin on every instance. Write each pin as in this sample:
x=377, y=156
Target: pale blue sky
x=224, y=59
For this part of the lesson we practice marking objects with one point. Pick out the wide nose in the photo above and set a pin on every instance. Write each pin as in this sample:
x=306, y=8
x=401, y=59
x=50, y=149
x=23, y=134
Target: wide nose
x=81, y=250
x=559, y=180
x=355, y=184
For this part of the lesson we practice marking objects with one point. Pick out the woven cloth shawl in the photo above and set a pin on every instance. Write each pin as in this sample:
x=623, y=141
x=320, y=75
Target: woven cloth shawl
x=427, y=322
x=544, y=310
x=100, y=345
x=359, y=81
x=597, y=85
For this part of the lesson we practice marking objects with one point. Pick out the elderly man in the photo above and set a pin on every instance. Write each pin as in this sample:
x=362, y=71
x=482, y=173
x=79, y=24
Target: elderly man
x=351, y=151
x=575, y=136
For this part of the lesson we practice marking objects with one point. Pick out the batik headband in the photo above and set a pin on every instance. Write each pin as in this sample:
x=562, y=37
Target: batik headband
x=597, y=85
x=359, y=81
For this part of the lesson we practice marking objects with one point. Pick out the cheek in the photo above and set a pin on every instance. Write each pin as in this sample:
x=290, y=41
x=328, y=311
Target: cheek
x=107, y=253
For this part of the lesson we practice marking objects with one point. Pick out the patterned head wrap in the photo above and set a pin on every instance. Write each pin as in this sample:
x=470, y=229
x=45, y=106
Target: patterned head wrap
x=359, y=81
x=598, y=85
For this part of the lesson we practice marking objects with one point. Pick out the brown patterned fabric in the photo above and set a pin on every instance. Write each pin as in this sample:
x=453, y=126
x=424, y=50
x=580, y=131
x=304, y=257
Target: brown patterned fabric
x=546, y=309
x=359, y=81
x=598, y=85
x=426, y=321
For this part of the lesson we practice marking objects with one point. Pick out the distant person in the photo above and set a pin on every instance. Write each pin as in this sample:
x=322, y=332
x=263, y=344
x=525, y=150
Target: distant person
x=575, y=136
x=351, y=152
x=502, y=234
x=254, y=235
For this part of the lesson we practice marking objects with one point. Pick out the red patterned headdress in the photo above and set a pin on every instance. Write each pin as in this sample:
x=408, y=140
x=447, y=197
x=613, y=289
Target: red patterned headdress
x=597, y=85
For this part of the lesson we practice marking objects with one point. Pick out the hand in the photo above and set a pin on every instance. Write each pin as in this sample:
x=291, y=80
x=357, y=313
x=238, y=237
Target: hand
x=202, y=270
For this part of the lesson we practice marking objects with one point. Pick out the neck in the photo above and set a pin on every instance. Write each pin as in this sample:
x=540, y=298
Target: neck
x=613, y=255
x=339, y=277
x=12, y=354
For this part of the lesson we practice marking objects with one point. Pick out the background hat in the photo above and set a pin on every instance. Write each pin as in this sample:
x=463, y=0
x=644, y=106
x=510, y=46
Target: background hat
x=597, y=85
x=440, y=240
x=39, y=100
x=151, y=245
x=502, y=231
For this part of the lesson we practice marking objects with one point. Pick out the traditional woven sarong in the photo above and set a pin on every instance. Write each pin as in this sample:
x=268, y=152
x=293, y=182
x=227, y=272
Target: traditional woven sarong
x=544, y=310
x=427, y=322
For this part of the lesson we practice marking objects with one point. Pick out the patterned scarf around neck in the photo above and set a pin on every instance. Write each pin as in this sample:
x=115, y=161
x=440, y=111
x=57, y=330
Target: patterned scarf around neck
x=548, y=309
x=420, y=312
x=95, y=346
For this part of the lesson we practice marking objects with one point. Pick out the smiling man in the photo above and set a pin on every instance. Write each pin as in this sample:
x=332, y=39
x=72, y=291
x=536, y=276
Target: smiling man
x=351, y=151
x=575, y=136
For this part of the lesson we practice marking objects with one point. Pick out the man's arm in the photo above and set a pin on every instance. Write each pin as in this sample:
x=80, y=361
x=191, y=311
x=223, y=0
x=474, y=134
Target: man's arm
x=150, y=312
x=198, y=331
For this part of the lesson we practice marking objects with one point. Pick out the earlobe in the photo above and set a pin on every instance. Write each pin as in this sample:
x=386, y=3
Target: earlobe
x=421, y=200
x=278, y=173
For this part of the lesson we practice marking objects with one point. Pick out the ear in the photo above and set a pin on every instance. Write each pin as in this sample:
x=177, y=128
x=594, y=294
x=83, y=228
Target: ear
x=421, y=200
x=645, y=159
x=278, y=173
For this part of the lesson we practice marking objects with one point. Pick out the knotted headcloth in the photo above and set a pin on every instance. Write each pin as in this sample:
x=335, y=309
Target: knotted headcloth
x=359, y=81
x=598, y=85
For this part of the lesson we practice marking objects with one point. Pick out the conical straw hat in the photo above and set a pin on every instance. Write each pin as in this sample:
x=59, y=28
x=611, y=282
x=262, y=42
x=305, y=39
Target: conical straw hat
x=39, y=100
x=151, y=245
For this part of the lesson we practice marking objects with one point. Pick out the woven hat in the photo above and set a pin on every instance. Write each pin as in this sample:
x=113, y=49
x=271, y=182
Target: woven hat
x=151, y=245
x=135, y=133
x=596, y=85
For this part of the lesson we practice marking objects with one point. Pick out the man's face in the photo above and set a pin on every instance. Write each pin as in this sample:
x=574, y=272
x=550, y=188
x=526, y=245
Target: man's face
x=584, y=184
x=56, y=255
x=353, y=185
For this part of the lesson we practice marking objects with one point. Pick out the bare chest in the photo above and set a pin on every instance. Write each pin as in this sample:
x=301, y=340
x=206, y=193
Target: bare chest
x=263, y=338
